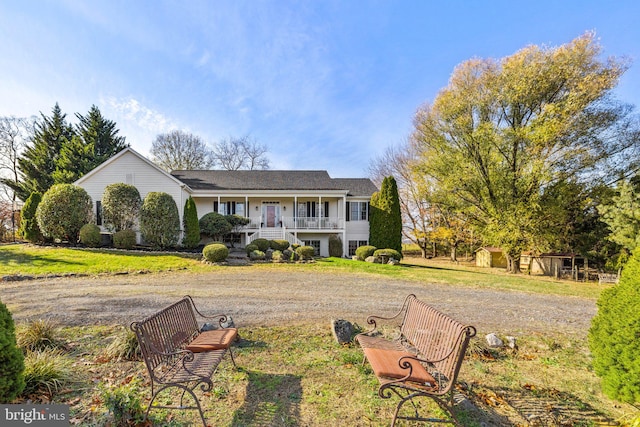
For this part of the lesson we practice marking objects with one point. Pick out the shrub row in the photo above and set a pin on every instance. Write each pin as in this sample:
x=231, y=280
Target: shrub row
x=364, y=252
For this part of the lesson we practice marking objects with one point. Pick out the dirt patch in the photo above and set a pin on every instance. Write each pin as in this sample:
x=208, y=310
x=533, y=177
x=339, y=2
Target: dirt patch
x=265, y=298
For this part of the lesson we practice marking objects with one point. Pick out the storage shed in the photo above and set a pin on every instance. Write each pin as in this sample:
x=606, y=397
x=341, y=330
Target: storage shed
x=553, y=264
x=488, y=256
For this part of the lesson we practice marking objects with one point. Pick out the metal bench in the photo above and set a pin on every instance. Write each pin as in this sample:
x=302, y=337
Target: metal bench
x=177, y=354
x=424, y=360
x=608, y=278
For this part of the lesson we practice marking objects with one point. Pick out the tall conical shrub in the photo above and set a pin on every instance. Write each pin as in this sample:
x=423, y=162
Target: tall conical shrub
x=11, y=359
x=191, y=225
x=385, y=222
x=614, y=336
x=29, y=229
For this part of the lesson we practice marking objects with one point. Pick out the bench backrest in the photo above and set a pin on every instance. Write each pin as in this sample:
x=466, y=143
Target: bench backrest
x=436, y=337
x=166, y=331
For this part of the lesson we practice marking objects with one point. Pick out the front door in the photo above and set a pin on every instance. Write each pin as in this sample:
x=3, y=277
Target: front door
x=271, y=215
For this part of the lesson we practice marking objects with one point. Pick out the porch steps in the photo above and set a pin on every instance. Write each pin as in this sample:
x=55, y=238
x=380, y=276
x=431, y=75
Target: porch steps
x=276, y=234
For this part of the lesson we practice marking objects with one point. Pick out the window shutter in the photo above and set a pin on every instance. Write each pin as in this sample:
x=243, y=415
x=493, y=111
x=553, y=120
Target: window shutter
x=347, y=214
x=98, y=212
x=215, y=207
x=326, y=209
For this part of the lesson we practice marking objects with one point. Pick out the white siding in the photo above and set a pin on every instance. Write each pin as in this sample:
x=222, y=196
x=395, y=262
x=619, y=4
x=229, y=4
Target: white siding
x=131, y=169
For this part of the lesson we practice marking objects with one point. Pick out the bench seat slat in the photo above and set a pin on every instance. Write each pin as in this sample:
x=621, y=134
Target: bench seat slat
x=437, y=340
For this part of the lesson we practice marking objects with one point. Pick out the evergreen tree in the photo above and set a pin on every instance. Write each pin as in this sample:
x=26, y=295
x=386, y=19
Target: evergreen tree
x=97, y=140
x=375, y=220
x=38, y=161
x=101, y=134
x=11, y=359
x=29, y=229
x=386, y=219
x=190, y=223
x=614, y=336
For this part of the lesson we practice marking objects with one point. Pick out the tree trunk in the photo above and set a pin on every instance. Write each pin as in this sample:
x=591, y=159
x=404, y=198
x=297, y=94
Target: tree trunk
x=454, y=253
x=513, y=264
x=435, y=250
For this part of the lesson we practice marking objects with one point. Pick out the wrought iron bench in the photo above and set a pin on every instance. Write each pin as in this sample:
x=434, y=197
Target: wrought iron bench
x=177, y=354
x=424, y=360
x=608, y=278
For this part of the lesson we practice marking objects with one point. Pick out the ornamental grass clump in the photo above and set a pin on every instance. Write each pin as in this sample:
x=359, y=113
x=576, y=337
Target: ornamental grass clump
x=125, y=346
x=39, y=335
x=215, y=252
x=47, y=372
x=614, y=336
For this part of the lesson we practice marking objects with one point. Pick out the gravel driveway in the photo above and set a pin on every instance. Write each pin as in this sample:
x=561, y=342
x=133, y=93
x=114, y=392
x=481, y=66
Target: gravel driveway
x=267, y=298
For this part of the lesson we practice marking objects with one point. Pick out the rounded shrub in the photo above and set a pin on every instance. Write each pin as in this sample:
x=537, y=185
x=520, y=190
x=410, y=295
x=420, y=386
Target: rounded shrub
x=614, y=336
x=257, y=255
x=64, y=209
x=120, y=206
x=277, y=256
x=159, y=220
x=90, y=235
x=279, y=244
x=11, y=359
x=215, y=252
x=214, y=225
x=335, y=246
x=306, y=252
x=391, y=253
x=250, y=248
x=363, y=252
x=262, y=244
x=124, y=239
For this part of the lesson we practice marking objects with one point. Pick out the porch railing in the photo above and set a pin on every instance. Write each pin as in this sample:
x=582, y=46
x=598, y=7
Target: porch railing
x=301, y=223
x=310, y=223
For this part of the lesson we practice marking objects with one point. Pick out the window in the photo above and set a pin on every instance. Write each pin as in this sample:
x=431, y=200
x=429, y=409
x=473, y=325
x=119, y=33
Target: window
x=355, y=244
x=98, y=212
x=357, y=211
x=313, y=210
x=229, y=208
x=315, y=244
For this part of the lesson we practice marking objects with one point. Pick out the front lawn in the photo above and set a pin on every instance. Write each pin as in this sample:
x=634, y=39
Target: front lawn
x=30, y=260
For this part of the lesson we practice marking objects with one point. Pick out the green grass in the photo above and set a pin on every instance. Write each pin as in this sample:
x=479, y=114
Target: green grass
x=298, y=375
x=41, y=261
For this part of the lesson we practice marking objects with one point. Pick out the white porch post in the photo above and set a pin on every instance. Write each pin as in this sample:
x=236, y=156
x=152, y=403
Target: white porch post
x=345, y=244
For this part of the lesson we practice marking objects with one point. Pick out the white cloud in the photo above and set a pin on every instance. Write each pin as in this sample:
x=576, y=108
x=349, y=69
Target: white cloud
x=137, y=122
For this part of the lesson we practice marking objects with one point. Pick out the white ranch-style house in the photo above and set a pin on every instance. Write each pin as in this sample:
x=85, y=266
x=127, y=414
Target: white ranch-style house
x=301, y=206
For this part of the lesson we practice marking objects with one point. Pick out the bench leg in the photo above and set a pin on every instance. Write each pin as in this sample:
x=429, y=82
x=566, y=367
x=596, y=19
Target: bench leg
x=184, y=390
x=232, y=359
x=417, y=417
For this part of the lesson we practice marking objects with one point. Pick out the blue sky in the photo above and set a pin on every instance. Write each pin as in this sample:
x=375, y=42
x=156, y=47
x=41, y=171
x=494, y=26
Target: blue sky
x=323, y=84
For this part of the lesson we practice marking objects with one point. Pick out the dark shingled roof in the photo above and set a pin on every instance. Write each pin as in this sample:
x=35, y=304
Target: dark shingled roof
x=272, y=180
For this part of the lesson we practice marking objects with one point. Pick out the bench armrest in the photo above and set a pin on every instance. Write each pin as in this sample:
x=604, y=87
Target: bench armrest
x=371, y=320
x=221, y=318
